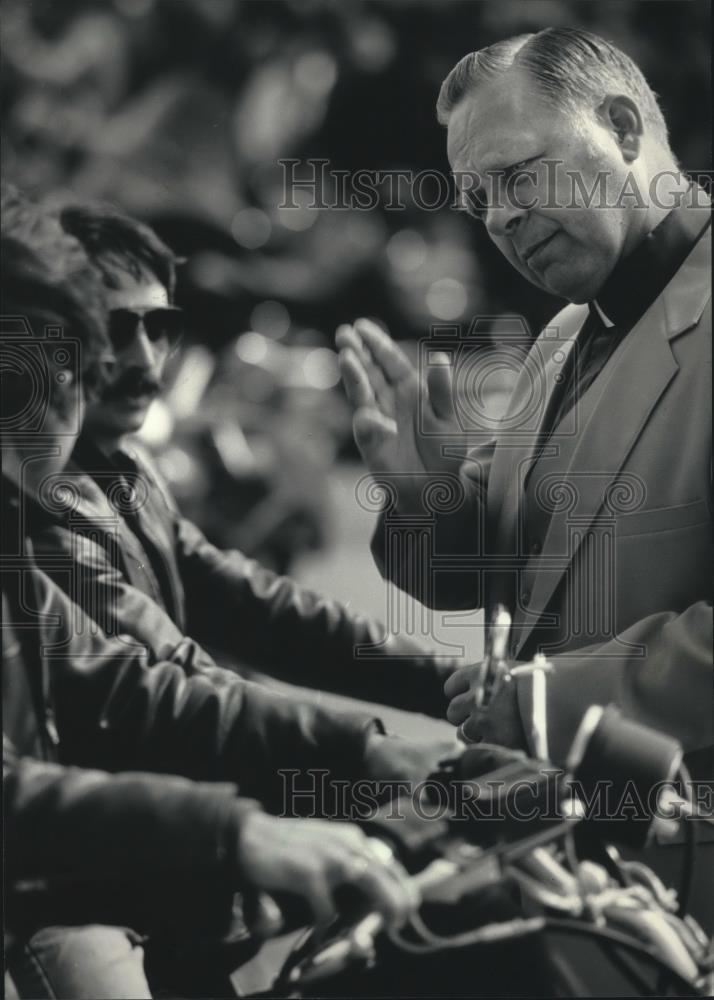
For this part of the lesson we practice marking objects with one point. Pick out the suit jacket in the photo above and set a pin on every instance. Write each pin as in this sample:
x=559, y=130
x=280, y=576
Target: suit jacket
x=598, y=538
x=136, y=566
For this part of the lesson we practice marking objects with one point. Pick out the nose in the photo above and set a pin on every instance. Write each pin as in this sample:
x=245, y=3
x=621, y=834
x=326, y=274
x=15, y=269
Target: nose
x=503, y=219
x=141, y=353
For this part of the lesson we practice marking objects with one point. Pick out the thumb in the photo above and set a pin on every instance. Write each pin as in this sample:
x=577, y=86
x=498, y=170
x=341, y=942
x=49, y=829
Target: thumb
x=262, y=914
x=440, y=385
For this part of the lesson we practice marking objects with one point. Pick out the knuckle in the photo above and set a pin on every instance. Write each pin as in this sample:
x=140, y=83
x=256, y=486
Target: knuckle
x=458, y=711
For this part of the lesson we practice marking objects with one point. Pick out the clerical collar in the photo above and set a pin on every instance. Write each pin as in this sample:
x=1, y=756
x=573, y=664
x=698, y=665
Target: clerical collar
x=640, y=277
x=606, y=321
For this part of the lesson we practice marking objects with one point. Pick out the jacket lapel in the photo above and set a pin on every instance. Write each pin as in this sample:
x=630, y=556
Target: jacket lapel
x=533, y=398
x=157, y=520
x=633, y=381
x=90, y=513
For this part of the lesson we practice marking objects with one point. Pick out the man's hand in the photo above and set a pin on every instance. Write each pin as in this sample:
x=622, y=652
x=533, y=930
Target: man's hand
x=312, y=858
x=499, y=722
x=390, y=758
x=391, y=405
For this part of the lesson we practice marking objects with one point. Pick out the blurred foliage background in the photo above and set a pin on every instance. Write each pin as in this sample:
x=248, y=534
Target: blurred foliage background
x=179, y=111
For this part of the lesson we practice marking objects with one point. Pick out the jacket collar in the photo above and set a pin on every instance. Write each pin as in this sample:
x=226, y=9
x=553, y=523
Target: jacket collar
x=87, y=455
x=642, y=276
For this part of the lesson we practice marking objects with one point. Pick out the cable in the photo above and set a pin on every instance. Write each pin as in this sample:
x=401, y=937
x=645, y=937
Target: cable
x=571, y=854
x=606, y=934
x=690, y=846
x=487, y=934
x=606, y=938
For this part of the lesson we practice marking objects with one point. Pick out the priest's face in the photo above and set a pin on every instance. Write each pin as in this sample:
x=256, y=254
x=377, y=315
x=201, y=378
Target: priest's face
x=550, y=186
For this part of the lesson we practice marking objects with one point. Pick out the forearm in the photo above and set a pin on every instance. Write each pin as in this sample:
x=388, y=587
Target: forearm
x=434, y=562
x=431, y=542
x=116, y=712
x=289, y=631
x=69, y=825
x=387, y=669
x=664, y=680
x=294, y=634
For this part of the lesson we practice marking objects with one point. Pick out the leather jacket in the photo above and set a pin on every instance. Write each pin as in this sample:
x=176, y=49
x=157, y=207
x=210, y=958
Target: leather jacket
x=124, y=768
x=151, y=573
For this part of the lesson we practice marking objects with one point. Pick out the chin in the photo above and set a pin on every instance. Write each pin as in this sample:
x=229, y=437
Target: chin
x=134, y=425
x=576, y=288
x=130, y=420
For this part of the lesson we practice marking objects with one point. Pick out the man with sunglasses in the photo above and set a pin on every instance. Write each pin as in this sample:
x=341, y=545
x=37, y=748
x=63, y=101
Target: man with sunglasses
x=142, y=568
x=126, y=823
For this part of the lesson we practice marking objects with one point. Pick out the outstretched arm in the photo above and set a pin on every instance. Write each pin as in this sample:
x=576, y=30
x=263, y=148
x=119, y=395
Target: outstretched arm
x=75, y=829
x=670, y=688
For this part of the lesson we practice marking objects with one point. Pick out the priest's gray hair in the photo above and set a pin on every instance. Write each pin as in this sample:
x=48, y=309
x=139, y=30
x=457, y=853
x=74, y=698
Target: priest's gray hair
x=573, y=69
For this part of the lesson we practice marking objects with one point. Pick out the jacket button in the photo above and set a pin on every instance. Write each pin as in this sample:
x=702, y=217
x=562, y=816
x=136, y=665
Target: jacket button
x=536, y=548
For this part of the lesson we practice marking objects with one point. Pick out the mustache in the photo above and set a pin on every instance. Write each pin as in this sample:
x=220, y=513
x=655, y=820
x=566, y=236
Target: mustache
x=132, y=382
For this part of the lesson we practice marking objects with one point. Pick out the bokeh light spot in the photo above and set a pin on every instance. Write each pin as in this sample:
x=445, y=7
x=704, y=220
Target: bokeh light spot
x=251, y=228
x=446, y=298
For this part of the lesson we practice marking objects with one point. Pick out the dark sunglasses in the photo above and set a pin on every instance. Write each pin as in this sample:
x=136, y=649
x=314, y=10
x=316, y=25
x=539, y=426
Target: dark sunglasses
x=164, y=323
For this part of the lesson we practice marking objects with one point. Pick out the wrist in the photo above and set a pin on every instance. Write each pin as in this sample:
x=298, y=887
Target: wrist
x=249, y=830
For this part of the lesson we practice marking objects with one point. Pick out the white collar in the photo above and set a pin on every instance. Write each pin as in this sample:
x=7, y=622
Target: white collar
x=606, y=321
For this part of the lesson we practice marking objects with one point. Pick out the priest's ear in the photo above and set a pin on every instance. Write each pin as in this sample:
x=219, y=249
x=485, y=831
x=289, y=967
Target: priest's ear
x=621, y=115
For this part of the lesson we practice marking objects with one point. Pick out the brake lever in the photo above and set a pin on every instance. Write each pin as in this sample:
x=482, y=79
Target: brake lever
x=494, y=666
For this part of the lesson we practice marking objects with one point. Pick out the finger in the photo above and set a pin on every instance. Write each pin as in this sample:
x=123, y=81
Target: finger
x=347, y=337
x=460, y=708
x=473, y=726
x=355, y=379
x=347, y=837
x=395, y=870
x=440, y=384
x=392, y=893
x=349, y=340
x=387, y=355
x=262, y=914
x=371, y=431
x=387, y=890
x=381, y=388
x=459, y=681
x=316, y=891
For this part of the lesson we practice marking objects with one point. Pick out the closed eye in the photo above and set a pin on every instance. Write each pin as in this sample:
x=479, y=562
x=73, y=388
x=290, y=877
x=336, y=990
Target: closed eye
x=520, y=167
x=474, y=201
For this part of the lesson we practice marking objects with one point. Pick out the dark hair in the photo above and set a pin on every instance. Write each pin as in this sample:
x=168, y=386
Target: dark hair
x=113, y=240
x=572, y=68
x=46, y=280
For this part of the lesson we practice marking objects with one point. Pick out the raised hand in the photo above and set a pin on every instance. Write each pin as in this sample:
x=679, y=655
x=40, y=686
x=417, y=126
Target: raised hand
x=399, y=422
